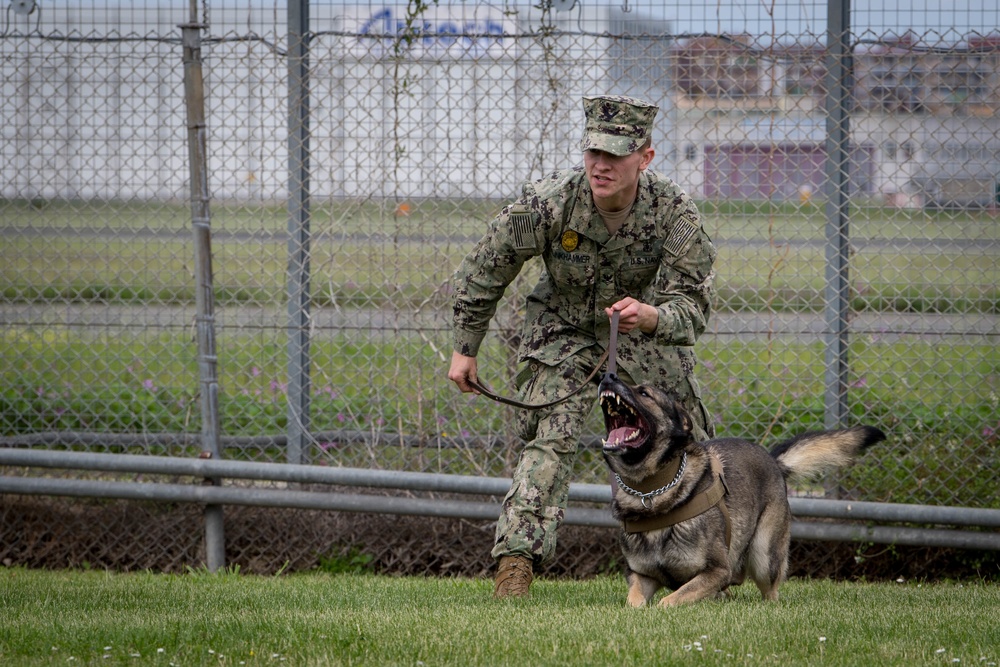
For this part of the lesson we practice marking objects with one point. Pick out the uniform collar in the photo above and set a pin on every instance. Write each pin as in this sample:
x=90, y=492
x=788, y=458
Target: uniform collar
x=588, y=222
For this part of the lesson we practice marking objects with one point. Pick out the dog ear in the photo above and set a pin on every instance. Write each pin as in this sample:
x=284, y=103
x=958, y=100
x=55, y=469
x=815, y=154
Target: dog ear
x=684, y=420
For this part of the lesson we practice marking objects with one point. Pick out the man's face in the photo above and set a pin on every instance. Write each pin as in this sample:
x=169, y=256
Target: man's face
x=614, y=179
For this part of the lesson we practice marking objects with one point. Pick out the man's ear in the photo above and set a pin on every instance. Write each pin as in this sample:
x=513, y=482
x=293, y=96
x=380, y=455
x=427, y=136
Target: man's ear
x=647, y=158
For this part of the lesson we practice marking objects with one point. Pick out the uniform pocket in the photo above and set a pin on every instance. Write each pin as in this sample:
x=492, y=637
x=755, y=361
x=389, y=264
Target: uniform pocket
x=526, y=421
x=637, y=275
x=525, y=374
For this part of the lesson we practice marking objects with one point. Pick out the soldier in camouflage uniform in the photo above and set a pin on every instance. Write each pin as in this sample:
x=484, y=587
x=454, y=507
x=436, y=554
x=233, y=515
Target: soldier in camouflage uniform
x=613, y=236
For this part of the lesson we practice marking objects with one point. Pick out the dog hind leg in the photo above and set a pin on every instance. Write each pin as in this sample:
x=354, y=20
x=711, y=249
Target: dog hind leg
x=767, y=561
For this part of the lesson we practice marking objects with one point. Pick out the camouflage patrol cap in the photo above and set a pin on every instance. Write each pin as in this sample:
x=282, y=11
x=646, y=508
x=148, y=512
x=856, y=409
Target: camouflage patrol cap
x=617, y=124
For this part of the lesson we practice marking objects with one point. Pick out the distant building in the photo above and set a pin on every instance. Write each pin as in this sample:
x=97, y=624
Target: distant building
x=925, y=122
x=468, y=100
x=463, y=100
x=934, y=116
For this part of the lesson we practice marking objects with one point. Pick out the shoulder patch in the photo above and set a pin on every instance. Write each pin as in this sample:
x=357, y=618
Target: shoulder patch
x=683, y=230
x=521, y=227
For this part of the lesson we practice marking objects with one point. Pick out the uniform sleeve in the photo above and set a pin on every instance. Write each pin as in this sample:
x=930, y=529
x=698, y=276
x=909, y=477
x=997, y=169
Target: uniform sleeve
x=481, y=279
x=683, y=288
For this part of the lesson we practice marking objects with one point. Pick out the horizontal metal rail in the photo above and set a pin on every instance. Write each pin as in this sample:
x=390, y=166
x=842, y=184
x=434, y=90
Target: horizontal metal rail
x=278, y=472
x=260, y=497
x=231, y=495
x=814, y=531
x=895, y=512
x=232, y=443
x=463, y=484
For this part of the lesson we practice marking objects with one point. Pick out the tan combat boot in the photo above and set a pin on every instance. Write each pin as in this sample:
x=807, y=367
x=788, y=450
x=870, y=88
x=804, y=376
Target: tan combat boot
x=513, y=577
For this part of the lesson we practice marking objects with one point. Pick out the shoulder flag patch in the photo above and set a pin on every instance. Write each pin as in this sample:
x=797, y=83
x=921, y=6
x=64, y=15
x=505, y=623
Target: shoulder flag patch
x=683, y=230
x=521, y=227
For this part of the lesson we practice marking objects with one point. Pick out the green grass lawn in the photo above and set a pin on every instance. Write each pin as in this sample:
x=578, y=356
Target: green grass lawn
x=751, y=220
x=67, y=618
x=939, y=424
x=937, y=398
x=364, y=254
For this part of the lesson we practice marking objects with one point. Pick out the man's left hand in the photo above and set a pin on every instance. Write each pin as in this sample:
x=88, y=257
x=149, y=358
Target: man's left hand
x=634, y=314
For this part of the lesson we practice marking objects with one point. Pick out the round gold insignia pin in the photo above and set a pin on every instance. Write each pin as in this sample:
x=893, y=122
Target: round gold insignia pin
x=570, y=241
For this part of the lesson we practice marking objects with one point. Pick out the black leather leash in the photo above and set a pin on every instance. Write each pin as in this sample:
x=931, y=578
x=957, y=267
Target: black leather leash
x=609, y=356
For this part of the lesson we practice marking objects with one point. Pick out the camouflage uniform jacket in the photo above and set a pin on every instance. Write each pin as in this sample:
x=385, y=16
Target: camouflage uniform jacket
x=661, y=256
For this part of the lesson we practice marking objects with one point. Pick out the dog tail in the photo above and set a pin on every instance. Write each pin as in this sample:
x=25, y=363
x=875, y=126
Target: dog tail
x=817, y=452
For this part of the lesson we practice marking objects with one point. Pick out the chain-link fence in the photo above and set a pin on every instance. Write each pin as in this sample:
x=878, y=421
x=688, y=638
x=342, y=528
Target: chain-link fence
x=411, y=125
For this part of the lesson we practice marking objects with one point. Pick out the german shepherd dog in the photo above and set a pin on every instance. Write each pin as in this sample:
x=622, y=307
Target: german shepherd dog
x=699, y=517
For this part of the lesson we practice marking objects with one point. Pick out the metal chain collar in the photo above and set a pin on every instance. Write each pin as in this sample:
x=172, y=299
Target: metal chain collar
x=652, y=494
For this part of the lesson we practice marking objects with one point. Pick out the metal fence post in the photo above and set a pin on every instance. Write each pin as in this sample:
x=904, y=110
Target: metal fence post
x=837, y=210
x=298, y=230
x=194, y=95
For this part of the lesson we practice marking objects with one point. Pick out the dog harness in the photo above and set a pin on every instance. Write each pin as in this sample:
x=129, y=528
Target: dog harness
x=695, y=506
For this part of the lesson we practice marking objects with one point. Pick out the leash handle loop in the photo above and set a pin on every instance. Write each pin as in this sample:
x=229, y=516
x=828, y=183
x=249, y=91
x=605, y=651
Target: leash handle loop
x=613, y=343
x=609, y=356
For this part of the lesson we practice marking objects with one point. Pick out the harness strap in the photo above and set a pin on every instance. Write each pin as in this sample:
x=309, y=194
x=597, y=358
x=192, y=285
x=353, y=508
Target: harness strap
x=695, y=506
x=609, y=356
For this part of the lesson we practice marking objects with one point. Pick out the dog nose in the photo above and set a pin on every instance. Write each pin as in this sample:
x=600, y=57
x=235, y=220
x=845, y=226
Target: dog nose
x=609, y=377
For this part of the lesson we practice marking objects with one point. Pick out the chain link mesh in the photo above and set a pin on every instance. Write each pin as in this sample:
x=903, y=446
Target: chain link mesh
x=424, y=118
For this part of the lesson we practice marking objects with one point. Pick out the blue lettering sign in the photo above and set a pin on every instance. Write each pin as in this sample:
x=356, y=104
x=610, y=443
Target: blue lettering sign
x=476, y=36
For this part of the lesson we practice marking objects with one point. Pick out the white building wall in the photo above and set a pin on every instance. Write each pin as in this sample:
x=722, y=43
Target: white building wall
x=106, y=119
x=97, y=110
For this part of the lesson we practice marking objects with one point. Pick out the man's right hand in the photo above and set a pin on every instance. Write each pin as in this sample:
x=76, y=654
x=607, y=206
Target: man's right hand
x=462, y=370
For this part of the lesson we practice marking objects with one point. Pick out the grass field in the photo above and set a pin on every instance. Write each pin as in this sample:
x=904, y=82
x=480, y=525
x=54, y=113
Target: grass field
x=145, y=385
x=68, y=618
x=771, y=256
x=751, y=220
x=937, y=396
x=940, y=424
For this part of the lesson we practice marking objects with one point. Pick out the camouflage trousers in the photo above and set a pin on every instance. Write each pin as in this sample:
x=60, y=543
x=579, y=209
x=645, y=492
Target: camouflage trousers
x=536, y=503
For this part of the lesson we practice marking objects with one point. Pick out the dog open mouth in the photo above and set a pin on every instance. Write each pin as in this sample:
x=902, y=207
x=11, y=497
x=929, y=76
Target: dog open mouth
x=625, y=426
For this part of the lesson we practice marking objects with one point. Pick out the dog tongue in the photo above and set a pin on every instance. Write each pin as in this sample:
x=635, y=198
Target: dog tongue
x=619, y=436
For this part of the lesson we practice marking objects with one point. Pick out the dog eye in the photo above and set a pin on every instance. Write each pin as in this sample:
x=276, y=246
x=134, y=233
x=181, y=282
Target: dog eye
x=642, y=392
